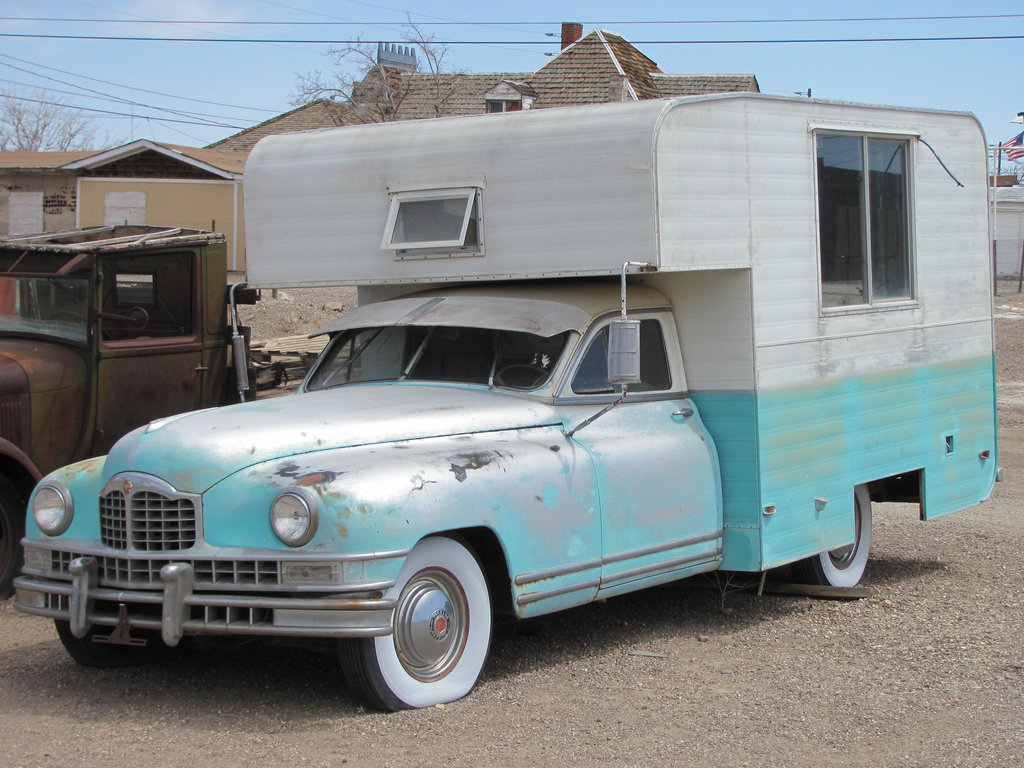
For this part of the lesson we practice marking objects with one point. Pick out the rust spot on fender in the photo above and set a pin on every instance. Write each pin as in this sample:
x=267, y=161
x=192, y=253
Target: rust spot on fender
x=469, y=461
x=317, y=478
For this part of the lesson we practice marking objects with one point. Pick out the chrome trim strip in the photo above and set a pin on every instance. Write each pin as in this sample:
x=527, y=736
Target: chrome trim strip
x=205, y=552
x=533, y=597
x=663, y=565
x=551, y=573
x=564, y=570
x=654, y=549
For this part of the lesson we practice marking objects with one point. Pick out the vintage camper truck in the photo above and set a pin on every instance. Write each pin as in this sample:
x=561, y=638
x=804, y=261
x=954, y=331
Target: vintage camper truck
x=808, y=304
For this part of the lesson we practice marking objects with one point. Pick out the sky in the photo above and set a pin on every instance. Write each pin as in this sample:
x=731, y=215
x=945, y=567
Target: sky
x=224, y=72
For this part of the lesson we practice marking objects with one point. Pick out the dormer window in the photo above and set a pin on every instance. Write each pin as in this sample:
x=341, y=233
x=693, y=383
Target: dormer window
x=508, y=96
x=504, y=106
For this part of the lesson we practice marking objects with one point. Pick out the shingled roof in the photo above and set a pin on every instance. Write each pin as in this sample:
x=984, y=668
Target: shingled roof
x=600, y=67
x=323, y=113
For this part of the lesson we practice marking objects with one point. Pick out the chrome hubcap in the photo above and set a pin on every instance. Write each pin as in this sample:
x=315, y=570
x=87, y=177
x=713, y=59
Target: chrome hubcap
x=430, y=624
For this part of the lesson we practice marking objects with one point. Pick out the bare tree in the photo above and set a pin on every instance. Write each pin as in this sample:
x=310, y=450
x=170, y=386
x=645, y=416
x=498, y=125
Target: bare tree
x=38, y=122
x=374, y=92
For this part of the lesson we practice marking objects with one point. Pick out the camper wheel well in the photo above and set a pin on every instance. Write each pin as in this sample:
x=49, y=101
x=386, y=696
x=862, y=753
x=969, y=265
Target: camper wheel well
x=904, y=487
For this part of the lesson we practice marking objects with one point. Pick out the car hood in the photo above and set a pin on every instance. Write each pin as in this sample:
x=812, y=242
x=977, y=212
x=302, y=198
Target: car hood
x=196, y=450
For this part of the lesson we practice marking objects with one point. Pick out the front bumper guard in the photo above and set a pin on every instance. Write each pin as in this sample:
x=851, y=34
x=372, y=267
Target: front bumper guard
x=219, y=614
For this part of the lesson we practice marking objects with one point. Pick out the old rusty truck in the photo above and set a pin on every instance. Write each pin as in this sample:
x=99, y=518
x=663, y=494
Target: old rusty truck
x=102, y=330
x=597, y=349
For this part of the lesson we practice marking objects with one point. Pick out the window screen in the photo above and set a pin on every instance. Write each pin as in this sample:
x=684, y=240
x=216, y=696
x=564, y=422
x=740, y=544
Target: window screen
x=441, y=219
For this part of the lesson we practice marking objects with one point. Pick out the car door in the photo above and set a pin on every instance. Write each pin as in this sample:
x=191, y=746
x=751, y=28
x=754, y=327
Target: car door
x=658, y=479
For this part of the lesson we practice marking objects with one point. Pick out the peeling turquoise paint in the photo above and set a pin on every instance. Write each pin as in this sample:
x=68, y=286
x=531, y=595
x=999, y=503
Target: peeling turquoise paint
x=788, y=447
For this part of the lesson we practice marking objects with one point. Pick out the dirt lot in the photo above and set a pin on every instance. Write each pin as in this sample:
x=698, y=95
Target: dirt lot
x=928, y=671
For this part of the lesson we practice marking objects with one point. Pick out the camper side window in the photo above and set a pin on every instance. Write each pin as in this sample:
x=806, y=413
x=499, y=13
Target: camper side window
x=863, y=219
x=437, y=222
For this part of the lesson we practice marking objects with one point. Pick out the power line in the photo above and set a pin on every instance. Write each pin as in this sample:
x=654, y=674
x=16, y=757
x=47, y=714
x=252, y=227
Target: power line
x=131, y=87
x=89, y=93
x=785, y=41
x=632, y=22
x=124, y=114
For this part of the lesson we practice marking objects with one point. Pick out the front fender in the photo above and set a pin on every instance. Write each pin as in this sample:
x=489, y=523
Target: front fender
x=534, y=488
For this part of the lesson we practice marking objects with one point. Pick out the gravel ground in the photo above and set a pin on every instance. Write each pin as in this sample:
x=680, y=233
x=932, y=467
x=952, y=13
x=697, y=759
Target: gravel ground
x=928, y=671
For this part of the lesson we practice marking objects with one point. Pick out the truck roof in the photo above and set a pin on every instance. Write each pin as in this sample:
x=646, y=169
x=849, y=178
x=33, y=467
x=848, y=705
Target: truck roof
x=545, y=311
x=69, y=250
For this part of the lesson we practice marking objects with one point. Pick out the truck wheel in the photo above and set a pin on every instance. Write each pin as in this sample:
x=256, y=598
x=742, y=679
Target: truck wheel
x=843, y=567
x=100, y=655
x=12, y=526
x=441, y=633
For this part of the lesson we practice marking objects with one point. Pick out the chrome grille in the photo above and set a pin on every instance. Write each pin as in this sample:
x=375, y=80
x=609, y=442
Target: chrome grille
x=159, y=523
x=145, y=572
x=113, y=521
x=152, y=521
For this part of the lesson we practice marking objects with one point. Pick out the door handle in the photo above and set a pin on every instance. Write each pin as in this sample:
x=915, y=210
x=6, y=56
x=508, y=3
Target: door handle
x=201, y=368
x=682, y=413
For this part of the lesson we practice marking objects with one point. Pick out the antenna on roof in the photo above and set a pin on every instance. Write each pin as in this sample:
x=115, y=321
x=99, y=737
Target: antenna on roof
x=396, y=56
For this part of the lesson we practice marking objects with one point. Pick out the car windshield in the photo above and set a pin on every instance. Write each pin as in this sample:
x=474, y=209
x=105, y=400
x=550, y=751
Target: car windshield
x=506, y=359
x=47, y=306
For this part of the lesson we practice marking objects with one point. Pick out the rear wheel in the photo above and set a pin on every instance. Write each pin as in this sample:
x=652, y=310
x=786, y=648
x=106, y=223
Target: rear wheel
x=12, y=526
x=844, y=566
x=441, y=632
x=89, y=653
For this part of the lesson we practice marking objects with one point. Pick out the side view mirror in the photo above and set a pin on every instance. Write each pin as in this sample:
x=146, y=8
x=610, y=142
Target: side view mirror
x=624, y=352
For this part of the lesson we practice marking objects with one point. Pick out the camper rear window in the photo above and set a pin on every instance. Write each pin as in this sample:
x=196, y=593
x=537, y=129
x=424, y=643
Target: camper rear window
x=863, y=219
x=441, y=219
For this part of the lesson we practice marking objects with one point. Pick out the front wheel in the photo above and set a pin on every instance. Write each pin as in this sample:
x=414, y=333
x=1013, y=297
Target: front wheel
x=441, y=632
x=843, y=567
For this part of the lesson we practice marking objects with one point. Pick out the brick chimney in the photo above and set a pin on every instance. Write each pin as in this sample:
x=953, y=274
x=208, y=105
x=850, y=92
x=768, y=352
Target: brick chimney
x=571, y=32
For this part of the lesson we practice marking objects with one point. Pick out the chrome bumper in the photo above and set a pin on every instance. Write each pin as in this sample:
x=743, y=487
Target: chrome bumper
x=178, y=610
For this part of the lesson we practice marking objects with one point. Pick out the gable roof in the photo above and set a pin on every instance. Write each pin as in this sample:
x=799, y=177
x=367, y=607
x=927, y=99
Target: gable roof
x=322, y=113
x=39, y=161
x=600, y=67
x=225, y=164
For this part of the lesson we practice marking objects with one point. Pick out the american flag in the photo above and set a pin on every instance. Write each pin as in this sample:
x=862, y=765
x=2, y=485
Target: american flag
x=1014, y=147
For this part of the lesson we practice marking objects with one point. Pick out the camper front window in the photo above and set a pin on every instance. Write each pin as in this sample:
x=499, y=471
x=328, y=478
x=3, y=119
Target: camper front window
x=863, y=219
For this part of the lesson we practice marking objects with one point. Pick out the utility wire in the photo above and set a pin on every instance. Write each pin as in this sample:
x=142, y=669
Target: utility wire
x=134, y=88
x=89, y=93
x=125, y=114
x=145, y=39
x=632, y=22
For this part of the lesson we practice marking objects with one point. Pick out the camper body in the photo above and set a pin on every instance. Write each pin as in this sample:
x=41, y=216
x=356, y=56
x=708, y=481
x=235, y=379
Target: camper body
x=811, y=288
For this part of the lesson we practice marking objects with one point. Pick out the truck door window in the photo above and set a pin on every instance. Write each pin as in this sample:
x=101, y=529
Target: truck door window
x=591, y=376
x=148, y=297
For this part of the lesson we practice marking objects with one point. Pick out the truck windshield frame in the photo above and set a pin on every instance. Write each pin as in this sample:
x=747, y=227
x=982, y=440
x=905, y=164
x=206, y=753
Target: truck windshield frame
x=53, y=307
x=514, y=360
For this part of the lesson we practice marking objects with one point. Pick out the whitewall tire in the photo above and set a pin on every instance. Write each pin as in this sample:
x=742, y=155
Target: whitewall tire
x=441, y=632
x=844, y=566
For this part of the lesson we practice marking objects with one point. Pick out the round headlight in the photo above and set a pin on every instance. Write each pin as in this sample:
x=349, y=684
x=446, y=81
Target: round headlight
x=52, y=509
x=293, y=518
